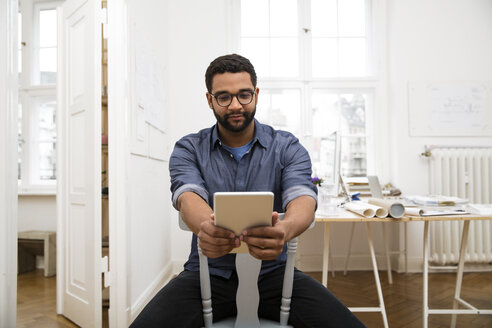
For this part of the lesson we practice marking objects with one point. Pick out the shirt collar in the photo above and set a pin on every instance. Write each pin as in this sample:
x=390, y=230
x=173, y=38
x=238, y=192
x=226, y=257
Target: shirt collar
x=259, y=135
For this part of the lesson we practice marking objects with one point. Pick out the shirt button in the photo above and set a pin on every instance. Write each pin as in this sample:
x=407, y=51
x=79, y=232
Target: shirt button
x=231, y=155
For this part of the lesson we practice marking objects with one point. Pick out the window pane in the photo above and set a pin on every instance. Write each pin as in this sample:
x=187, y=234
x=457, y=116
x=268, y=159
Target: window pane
x=254, y=18
x=283, y=18
x=43, y=139
x=324, y=19
x=47, y=160
x=325, y=57
x=20, y=140
x=351, y=18
x=284, y=59
x=47, y=65
x=258, y=52
x=353, y=118
x=19, y=47
x=353, y=57
x=344, y=114
x=47, y=28
x=280, y=109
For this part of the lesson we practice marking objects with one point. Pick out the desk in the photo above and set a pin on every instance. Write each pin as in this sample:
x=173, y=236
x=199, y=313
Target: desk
x=346, y=216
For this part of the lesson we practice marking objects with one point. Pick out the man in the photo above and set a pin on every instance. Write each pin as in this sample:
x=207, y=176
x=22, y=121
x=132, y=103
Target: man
x=240, y=154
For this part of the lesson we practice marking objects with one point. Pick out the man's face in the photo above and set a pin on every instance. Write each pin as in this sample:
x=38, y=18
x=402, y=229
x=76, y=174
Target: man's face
x=235, y=117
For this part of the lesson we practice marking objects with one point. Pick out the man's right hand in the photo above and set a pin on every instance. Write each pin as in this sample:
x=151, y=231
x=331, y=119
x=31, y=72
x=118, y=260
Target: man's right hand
x=216, y=241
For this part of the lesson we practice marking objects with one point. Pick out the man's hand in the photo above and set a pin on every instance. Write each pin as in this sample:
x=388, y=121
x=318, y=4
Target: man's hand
x=216, y=241
x=266, y=243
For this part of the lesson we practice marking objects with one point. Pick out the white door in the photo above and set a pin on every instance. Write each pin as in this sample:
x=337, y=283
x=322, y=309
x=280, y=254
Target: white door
x=79, y=163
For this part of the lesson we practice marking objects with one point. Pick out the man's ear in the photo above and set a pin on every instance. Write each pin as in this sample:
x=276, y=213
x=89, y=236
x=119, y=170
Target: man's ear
x=209, y=100
x=257, y=91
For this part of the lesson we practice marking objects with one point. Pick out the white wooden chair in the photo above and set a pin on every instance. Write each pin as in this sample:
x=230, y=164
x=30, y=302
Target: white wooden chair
x=247, y=297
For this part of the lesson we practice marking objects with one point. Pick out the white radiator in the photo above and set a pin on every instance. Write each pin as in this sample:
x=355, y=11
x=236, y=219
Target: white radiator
x=465, y=173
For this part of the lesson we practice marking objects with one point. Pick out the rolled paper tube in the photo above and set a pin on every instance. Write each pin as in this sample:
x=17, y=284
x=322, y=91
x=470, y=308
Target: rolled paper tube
x=360, y=208
x=395, y=209
x=381, y=212
x=414, y=211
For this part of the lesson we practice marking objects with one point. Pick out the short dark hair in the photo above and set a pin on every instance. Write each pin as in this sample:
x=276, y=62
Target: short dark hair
x=232, y=63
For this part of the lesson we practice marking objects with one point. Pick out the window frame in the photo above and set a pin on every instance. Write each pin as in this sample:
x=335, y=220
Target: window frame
x=373, y=84
x=28, y=91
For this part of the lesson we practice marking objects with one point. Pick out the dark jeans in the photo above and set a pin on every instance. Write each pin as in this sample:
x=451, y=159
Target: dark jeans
x=179, y=304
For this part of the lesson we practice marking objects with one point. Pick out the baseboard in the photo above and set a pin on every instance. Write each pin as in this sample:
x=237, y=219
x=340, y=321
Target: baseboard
x=160, y=281
x=178, y=266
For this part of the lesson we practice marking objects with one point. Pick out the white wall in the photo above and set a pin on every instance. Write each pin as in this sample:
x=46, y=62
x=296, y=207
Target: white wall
x=36, y=213
x=147, y=177
x=432, y=41
x=197, y=35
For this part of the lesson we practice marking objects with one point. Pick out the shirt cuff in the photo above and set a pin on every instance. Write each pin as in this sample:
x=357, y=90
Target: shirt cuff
x=297, y=191
x=189, y=187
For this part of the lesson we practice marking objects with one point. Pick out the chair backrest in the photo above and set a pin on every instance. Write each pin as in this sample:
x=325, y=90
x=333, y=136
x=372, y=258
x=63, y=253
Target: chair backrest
x=247, y=297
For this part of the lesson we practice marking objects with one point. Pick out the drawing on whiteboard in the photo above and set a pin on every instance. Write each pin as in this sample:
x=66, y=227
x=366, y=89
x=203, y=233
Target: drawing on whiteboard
x=454, y=106
x=450, y=108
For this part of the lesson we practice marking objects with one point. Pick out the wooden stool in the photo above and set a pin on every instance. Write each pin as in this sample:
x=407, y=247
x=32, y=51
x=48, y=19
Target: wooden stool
x=32, y=243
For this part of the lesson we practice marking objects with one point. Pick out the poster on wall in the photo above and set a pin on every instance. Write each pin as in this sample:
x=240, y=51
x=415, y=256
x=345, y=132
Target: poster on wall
x=449, y=109
x=149, y=82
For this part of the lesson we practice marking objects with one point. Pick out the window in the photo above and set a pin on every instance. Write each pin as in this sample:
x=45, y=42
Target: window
x=37, y=96
x=314, y=64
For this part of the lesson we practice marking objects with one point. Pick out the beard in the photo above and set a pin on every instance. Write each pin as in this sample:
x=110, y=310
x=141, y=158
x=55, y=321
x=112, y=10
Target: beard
x=224, y=120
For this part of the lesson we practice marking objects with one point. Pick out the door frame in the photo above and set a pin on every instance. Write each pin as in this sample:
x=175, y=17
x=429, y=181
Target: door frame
x=118, y=157
x=8, y=162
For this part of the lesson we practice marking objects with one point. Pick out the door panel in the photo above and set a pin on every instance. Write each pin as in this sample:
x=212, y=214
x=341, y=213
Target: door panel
x=79, y=162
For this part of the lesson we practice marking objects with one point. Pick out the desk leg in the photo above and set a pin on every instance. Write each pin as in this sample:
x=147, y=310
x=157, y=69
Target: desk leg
x=376, y=275
x=349, y=248
x=425, y=301
x=386, y=249
x=326, y=254
x=406, y=247
x=461, y=264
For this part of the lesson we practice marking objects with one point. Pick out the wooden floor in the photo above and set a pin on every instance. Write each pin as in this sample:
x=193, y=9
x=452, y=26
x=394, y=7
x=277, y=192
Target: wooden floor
x=36, y=302
x=36, y=298
x=403, y=299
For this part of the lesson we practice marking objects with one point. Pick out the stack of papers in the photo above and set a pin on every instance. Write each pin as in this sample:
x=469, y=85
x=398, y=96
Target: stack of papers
x=481, y=209
x=434, y=212
x=436, y=200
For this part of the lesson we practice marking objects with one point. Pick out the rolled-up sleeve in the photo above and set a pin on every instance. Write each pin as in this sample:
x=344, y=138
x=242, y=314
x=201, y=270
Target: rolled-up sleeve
x=184, y=172
x=296, y=175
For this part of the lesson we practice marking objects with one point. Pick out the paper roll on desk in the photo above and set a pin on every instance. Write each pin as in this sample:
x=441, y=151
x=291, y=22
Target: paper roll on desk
x=414, y=211
x=366, y=210
x=395, y=209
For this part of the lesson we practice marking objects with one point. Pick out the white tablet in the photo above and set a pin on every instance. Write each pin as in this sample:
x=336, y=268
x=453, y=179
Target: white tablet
x=237, y=211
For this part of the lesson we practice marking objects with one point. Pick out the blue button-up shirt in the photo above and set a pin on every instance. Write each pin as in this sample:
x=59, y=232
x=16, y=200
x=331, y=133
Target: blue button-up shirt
x=276, y=162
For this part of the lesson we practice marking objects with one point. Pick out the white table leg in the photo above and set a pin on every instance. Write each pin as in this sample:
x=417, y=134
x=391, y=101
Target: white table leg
x=461, y=264
x=386, y=249
x=406, y=247
x=349, y=248
x=376, y=275
x=425, y=301
x=326, y=254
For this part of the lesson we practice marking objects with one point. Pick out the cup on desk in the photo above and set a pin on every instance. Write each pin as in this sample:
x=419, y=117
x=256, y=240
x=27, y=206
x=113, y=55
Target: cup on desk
x=327, y=201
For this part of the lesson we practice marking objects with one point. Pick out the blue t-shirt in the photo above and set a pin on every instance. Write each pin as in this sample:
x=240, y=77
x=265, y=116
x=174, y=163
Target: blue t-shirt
x=239, y=152
x=275, y=162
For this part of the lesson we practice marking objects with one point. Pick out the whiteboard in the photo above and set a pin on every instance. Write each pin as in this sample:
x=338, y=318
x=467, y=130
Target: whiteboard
x=447, y=109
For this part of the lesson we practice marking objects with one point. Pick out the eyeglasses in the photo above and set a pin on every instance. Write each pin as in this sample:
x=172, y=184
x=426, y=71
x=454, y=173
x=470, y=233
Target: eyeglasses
x=225, y=99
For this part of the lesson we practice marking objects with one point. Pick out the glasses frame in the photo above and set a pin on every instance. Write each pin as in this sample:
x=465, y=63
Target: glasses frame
x=252, y=93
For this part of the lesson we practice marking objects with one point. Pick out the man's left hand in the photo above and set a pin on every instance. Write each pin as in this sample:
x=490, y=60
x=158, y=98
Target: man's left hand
x=267, y=242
